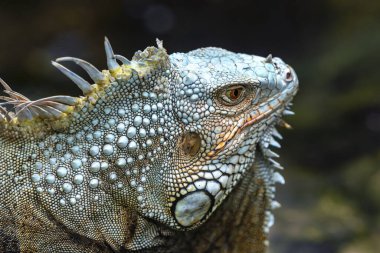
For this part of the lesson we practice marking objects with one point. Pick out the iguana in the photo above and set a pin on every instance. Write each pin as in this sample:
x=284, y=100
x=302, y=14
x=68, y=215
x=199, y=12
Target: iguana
x=163, y=153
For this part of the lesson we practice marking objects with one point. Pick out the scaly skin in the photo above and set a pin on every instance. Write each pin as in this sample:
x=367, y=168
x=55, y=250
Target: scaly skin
x=162, y=154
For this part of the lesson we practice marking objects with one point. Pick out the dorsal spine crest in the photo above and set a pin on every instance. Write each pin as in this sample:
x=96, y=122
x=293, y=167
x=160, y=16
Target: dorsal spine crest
x=37, y=123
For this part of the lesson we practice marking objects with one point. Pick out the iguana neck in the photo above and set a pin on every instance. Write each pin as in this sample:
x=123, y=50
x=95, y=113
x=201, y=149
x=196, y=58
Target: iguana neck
x=241, y=218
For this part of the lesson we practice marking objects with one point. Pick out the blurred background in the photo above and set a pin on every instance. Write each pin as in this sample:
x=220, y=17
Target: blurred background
x=331, y=201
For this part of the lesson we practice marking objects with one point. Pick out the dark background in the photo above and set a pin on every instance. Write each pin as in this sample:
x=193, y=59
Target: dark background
x=331, y=201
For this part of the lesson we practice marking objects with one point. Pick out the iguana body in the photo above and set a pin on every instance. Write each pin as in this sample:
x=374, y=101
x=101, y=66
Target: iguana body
x=162, y=154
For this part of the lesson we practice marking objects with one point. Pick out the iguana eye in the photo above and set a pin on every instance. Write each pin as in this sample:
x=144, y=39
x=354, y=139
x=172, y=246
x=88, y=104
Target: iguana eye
x=233, y=95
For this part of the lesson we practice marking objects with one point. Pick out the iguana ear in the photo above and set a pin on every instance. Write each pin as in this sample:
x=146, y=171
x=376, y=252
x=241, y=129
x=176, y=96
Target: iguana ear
x=57, y=110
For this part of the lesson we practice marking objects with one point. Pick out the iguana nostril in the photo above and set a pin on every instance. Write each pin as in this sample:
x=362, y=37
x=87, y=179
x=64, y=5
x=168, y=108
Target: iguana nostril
x=288, y=76
x=190, y=143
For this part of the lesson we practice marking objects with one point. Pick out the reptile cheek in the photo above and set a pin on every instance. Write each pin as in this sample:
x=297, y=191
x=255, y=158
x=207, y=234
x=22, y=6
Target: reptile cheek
x=192, y=208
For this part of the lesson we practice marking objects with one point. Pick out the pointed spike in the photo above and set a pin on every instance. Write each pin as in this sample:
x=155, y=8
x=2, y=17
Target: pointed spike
x=111, y=61
x=20, y=107
x=270, y=153
x=278, y=166
x=91, y=70
x=79, y=81
x=269, y=59
x=67, y=100
x=270, y=218
x=4, y=114
x=5, y=85
x=8, y=99
x=275, y=133
x=33, y=112
x=58, y=106
x=3, y=110
x=16, y=95
x=56, y=113
x=284, y=124
x=275, y=164
x=45, y=102
x=274, y=143
x=59, y=102
x=24, y=114
x=287, y=113
x=273, y=161
x=160, y=43
x=278, y=178
x=275, y=205
x=123, y=59
x=40, y=112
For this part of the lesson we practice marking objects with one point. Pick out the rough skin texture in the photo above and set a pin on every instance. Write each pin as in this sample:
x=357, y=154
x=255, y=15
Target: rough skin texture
x=164, y=153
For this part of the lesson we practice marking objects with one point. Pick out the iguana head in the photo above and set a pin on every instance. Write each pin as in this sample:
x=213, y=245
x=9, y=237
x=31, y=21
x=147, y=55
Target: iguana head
x=168, y=136
x=226, y=105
